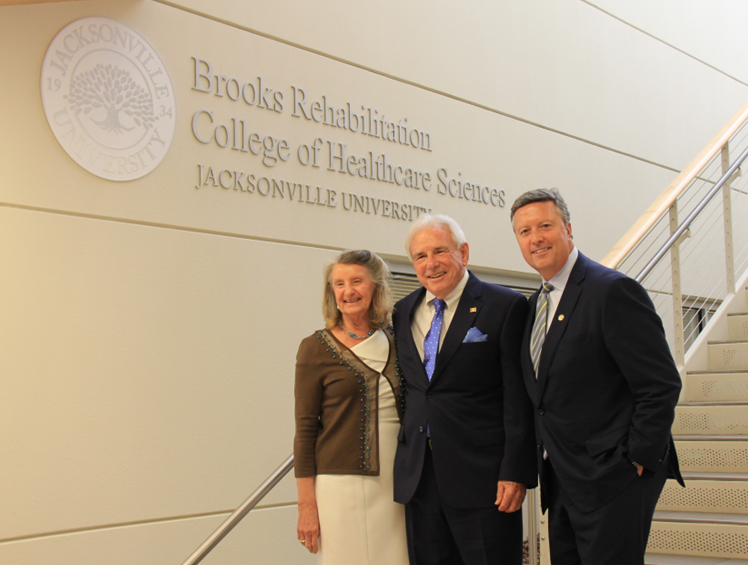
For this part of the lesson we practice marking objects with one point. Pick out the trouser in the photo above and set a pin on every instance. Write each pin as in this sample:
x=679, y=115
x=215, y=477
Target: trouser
x=615, y=534
x=439, y=534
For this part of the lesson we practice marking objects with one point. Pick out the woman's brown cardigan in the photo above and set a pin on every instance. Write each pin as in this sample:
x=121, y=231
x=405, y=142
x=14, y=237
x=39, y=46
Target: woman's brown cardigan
x=337, y=407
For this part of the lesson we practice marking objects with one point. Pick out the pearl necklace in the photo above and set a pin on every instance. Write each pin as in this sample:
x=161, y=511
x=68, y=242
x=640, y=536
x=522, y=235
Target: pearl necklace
x=354, y=336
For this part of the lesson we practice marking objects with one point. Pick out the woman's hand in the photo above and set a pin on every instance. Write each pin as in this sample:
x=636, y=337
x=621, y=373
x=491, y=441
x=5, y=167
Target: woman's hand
x=308, y=526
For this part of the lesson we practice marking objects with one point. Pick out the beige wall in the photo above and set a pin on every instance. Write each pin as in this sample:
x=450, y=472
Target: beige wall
x=150, y=327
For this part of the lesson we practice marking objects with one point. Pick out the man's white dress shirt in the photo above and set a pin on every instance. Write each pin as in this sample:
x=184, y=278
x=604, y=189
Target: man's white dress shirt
x=424, y=313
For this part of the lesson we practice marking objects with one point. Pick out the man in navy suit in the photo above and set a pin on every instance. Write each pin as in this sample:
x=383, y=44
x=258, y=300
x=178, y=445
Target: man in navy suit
x=466, y=451
x=604, y=387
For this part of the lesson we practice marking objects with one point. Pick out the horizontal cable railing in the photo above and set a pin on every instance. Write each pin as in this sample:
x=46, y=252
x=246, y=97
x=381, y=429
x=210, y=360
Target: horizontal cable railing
x=684, y=227
x=691, y=244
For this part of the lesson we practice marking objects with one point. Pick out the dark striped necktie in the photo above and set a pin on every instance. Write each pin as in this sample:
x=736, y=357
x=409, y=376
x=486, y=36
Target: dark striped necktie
x=539, y=327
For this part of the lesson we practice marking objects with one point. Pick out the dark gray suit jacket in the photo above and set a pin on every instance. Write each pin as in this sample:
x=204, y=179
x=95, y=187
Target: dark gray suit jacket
x=607, y=385
x=479, y=414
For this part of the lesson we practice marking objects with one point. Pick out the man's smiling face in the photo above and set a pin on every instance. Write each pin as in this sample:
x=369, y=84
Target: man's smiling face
x=544, y=239
x=439, y=265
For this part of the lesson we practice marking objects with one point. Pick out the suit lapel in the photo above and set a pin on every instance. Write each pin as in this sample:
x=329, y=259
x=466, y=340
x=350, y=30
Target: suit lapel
x=564, y=311
x=467, y=310
x=407, y=311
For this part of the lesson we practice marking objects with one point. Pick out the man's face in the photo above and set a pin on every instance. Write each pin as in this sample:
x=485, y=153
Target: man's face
x=438, y=263
x=544, y=239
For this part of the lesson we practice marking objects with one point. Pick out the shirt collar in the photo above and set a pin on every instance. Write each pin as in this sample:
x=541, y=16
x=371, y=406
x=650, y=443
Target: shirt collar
x=453, y=298
x=560, y=279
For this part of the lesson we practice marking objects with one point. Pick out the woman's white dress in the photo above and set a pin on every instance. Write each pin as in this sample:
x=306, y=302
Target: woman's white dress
x=360, y=524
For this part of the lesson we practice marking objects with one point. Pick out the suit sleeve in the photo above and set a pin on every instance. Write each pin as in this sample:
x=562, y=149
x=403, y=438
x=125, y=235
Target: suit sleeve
x=519, y=463
x=308, y=402
x=635, y=338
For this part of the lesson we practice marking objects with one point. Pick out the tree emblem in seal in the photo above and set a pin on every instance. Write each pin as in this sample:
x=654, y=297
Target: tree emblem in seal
x=108, y=98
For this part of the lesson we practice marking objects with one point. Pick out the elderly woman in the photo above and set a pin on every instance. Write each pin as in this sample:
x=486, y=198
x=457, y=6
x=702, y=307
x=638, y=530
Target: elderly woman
x=349, y=404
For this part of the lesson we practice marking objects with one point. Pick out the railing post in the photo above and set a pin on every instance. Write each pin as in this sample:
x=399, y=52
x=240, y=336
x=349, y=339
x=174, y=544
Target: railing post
x=538, y=552
x=532, y=526
x=679, y=350
x=545, y=548
x=727, y=212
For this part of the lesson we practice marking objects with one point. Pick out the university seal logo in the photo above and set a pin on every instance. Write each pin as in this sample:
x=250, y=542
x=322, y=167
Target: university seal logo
x=108, y=98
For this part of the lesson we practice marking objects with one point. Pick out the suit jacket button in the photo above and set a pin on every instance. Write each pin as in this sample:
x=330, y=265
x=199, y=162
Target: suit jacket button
x=541, y=411
x=420, y=429
x=429, y=394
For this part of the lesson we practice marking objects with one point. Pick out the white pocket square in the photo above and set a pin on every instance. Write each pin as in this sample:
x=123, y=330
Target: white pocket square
x=474, y=335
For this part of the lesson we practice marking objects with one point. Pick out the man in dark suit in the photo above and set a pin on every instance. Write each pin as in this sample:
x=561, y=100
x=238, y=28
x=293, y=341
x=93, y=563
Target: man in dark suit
x=604, y=386
x=466, y=453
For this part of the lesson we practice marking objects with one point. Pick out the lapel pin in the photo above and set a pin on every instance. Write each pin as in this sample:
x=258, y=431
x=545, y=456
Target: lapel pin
x=561, y=318
x=473, y=309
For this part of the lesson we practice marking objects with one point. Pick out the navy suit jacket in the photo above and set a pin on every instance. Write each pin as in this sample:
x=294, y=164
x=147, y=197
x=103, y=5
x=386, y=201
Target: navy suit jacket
x=476, y=407
x=607, y=385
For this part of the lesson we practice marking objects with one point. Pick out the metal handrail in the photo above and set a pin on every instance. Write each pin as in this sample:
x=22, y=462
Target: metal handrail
x=691, y=217
x=659, y=207
x=240, y=512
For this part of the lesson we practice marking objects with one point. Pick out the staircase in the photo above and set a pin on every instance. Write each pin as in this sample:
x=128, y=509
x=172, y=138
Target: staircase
x=707, y=522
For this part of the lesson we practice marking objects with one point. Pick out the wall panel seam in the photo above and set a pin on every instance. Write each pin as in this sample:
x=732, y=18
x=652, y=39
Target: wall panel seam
x=414, y=84
x=175, y=227
x=670, y=45
x=154, y=521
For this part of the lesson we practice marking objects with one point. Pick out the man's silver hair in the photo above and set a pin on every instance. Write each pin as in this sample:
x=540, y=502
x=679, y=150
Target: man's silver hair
x=435, y=221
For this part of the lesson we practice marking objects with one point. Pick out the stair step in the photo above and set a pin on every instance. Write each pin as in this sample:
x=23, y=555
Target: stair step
x=687, y=537
x=714, y=403
x=728, y=354
x=711, y=420
x=712, y=456
x=701, y=518
x=658, y=559
x=717, y=385
x=737, y=326
x=715, y=476
x=708, y=437
x=725, y=497
x=717, y=372
x=706, y=523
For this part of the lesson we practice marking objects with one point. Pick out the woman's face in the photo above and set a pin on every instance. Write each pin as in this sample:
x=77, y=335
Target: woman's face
x=353, y=289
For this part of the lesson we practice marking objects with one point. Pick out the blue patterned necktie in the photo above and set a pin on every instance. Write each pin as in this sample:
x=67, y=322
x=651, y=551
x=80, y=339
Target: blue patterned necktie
x=431, y=343
x=539, y=328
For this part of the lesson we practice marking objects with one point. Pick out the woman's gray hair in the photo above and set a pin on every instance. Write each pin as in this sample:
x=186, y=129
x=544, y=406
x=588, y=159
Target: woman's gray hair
x=435, y=221
x=381, y=303
x=543, y=195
